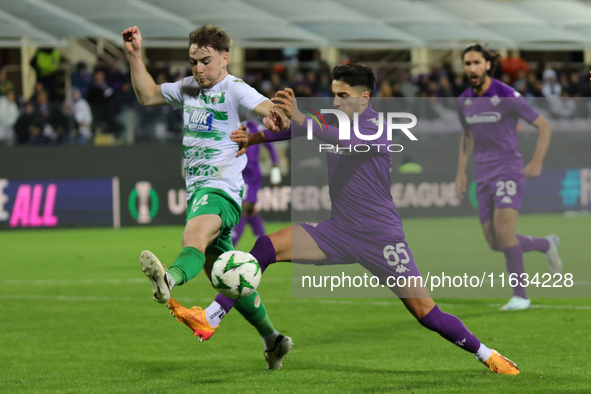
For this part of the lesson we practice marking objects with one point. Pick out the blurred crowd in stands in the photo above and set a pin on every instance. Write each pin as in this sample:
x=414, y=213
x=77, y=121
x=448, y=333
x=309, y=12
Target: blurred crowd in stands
x=99, y=106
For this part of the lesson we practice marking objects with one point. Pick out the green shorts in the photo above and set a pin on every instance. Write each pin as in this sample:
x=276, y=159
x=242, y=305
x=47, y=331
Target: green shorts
x=210, y=201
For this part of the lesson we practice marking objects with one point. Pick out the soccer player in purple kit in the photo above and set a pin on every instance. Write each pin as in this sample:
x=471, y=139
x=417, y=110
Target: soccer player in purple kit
x=253, y=180
x=357, y=231
x=489, y=111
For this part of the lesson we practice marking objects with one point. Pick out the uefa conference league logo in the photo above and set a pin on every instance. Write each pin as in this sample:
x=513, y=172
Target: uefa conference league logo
x=140, y=199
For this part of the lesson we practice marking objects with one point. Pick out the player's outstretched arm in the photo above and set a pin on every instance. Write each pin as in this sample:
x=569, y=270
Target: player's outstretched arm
x=244, y=139
x=273, y=118
x=534, y=167
x=286, y=101
x=146, y=90
x=466, y=146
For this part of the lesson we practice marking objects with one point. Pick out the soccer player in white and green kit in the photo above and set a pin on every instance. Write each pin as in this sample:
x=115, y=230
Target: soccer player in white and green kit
x=214, y=103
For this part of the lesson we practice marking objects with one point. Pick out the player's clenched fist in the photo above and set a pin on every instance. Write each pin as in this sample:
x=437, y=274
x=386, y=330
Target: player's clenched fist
x=132, y=39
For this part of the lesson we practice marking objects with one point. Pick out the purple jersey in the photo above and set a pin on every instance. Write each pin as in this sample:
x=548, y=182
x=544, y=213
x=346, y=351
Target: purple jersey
x=359, y=183
x=493, y=118
x=252, y=171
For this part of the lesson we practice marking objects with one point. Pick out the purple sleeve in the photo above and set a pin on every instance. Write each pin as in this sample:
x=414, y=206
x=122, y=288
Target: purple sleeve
x=523, y=109
x=272, y=152
x=279, y=136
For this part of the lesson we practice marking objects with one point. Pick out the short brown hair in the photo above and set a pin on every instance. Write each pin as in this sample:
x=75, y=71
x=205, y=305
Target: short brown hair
x=211, y=36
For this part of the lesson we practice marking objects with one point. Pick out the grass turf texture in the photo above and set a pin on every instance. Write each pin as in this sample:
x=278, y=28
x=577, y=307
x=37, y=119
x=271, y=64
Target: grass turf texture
x=76, y=316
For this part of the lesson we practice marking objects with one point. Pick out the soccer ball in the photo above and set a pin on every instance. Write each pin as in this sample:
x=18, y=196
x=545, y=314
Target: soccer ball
x=236, y=274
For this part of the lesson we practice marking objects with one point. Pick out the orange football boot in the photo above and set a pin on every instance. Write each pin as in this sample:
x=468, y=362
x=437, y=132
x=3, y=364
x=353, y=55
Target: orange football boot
x=193, y=318
x=500, y=364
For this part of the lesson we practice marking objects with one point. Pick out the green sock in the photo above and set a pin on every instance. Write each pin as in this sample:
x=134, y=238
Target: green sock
x=254, y=312
x=187, y=265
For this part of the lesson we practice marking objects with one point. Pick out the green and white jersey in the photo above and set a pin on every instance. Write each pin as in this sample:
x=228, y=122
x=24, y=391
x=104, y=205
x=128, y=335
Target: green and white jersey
x=210, y=116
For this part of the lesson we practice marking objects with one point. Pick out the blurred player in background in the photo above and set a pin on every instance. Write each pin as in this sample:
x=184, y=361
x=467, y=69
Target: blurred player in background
x=212, y=101
x=253, y=180
x=370, y=234
x=489, y=111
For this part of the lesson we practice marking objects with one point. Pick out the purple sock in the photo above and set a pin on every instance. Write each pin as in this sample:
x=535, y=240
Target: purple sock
x=258, y=228
x=529, y=243
x=451, y=328
x=225, y=302
x=238, y=230
x=514, y=259
x=264, y=251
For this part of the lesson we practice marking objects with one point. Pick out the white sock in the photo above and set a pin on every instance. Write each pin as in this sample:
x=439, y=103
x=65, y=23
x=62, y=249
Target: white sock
x=214, y=313
x=269, y=340
x=170, y=280
x=483, y=353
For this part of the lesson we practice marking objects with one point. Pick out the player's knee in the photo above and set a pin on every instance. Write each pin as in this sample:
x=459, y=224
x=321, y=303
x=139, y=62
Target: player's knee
x=492, y=244
x=502, y=239
x=496, y=246
x=194, y=242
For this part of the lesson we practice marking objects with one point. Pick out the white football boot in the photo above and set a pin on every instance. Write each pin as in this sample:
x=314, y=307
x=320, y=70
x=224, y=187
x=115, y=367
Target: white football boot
x=516, y=303
x=554, y=262
x=156, y=272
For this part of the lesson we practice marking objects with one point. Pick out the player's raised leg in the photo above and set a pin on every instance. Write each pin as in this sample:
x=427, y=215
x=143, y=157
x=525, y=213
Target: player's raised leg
x=268, y=250
x=204, y=323
x=419, y=302
x=547, y=245
x=210, y=318
x=199, y=232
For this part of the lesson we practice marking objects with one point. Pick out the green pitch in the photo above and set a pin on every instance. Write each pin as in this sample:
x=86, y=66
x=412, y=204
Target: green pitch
x=76, y=316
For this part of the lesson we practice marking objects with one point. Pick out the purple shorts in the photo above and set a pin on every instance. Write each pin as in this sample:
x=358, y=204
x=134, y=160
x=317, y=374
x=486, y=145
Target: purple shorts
x=251, y=188
x=502, y=191
x=384, y=253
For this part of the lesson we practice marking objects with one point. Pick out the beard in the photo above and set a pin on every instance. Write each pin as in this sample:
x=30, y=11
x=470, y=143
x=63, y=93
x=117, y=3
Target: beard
x=479, y=82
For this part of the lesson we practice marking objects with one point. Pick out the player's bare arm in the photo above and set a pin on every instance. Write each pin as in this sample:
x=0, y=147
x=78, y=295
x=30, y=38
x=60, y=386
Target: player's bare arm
x=146, y=90
x=534, y=168
x=466, y=146
x=273, y=119
x=286, y=101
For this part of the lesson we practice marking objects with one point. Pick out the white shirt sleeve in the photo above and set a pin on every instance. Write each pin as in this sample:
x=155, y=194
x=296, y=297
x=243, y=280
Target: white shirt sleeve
x=173, y=92
x=248, y=97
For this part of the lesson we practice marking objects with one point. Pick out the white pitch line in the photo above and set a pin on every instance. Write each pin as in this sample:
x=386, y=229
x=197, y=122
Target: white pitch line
x=115, y=281
x=63, y=298
x=203, y=301
x=28, y=282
